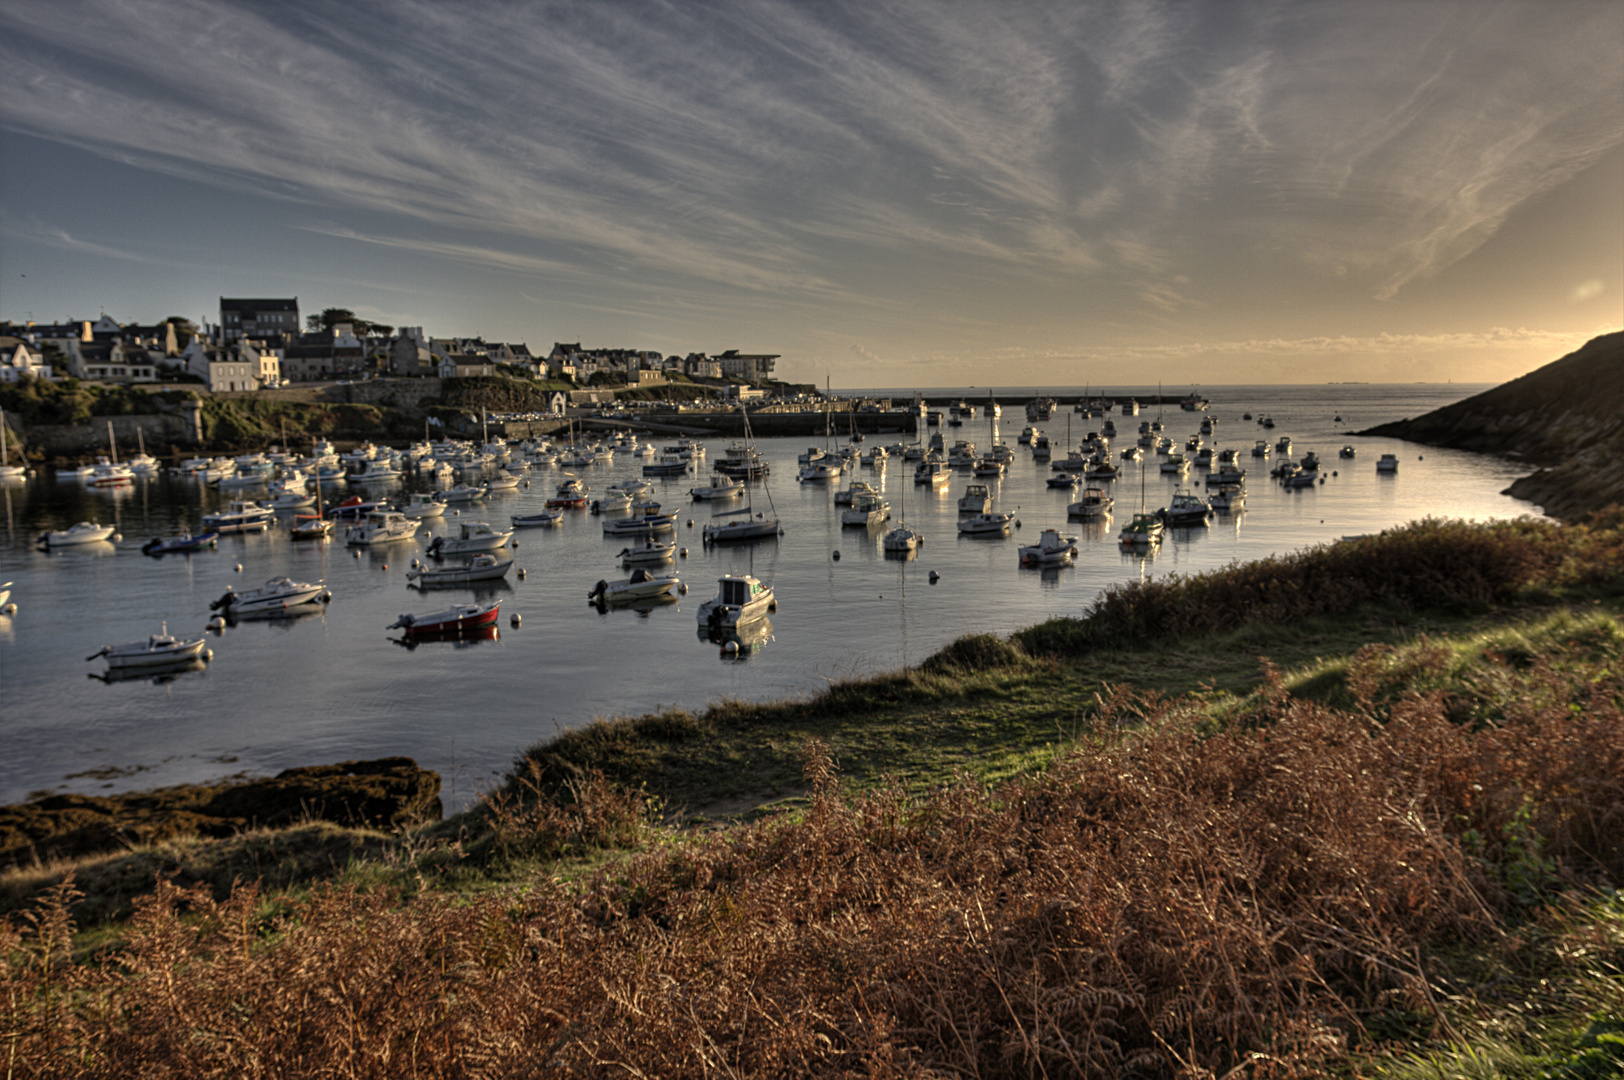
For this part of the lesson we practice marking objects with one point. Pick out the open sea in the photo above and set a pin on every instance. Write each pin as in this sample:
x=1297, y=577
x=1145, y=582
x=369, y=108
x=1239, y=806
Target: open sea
x=336, y=685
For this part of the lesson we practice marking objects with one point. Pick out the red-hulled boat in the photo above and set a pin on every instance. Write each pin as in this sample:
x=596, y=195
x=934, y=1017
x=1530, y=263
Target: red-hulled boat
x=457, y=619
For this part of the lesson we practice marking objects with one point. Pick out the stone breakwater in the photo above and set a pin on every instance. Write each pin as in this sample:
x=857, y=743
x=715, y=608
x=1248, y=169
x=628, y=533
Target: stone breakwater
x=1567, y=418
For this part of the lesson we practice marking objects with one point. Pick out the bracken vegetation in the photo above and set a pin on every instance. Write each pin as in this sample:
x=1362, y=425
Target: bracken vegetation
x=1404, y=861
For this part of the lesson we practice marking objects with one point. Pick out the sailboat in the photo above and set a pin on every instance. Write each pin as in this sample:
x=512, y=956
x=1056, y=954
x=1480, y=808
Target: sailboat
x=746, y=524
x=8, y=470
x=142, y=462
x=826, y=466
x=109, y=473
x=313, y=527
x=902, y=540
x=1145, y=530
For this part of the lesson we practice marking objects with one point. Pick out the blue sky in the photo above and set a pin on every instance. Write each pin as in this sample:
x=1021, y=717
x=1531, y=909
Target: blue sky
x=891, y=194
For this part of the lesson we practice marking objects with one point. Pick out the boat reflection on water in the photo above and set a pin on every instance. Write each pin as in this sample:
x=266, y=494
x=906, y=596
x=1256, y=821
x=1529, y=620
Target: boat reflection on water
x=642, y=605
x=458, y=639
x=159, y=675
x=739, y=643
x=281, y=619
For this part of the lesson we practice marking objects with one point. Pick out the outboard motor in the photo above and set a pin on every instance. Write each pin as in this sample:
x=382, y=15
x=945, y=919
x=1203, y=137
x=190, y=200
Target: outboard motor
x=434, y=547
x=224, y=601
x=146, y=548
x=597, y=593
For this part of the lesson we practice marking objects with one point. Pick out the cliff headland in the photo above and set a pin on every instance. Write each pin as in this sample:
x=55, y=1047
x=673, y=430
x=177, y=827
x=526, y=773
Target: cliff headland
x=1566, y=417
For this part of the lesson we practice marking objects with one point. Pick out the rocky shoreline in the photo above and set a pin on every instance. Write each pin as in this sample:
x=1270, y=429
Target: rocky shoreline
x=383, y=793
x=1567, y=418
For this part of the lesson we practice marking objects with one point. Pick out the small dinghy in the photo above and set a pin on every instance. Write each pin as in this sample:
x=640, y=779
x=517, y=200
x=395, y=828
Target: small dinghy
x=160, y=650
x=457, y=619
x=179, y=545
x=642, y=585
x=648, y=553
x=479, y=568
x=531, y=521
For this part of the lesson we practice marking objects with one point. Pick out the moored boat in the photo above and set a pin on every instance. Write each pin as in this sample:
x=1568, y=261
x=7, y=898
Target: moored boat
x=986, y=524
x=159, y=650
x=480, y=568
x=739, y=599
x=85, y=532
x=277, y=595
x=1051, y=549
x=642, y=585
x=173, y=545
x=456, y=619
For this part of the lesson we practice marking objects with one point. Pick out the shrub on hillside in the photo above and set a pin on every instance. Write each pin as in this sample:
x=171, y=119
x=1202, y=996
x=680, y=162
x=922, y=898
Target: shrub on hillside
x=1170, y=901
x=1430, y=564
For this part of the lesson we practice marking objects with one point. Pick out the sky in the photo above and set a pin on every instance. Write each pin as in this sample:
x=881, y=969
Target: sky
x=885, y=192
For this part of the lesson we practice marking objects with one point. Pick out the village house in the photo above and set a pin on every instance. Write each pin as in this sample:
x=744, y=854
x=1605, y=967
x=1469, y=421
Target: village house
x=18, y=360
x=261, y=319
x=324, y=354
x=752, y=367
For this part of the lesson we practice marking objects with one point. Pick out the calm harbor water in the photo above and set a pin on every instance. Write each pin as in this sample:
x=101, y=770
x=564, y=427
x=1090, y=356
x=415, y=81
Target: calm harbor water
x=334, y=685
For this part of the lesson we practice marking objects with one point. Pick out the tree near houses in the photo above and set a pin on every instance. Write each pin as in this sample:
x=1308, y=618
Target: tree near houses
x=331, y=317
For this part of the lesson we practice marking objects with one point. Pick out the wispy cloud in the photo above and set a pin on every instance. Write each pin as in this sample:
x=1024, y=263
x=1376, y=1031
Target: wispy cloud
x=57, y=237
x=766, y=153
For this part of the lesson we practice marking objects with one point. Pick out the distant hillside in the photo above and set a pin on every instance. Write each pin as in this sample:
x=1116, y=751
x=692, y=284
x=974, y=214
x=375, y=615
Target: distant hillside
x=1567, y=417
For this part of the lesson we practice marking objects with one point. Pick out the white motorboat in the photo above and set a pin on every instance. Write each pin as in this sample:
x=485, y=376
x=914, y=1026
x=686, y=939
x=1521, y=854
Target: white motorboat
x=471, y=536
x=381, y=527
x=648, y=553
x=828, y=468
x=642, y=585
x=423, y=505
x=239, y=515
x=532, y=521
x=111, y=474
x=633, y=487
x=612, y=502
x=739, y=599
x=461, y=493
x=1229, y=498
x=975, y=500
x=485, y=567
x=1051, y=549
x=378, y=470
x=1094, y=503
x=866, y=510
x=243, y=478
x=720, y=487
x=501, y=482
x=639, y=524
x=933, y=473
x=159, y=650
x=986, y=524
x=668, y=465
x=987, y=465
x=276, y=595
x=848, y=495
x=86, y=532
x=1187, y=508
x=1175, y=463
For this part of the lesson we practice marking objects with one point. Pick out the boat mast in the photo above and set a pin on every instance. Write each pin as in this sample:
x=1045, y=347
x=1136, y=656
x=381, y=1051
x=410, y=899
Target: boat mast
x=112, y=446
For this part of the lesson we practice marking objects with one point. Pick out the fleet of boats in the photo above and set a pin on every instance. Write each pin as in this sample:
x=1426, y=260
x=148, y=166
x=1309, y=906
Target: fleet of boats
x=474, y=548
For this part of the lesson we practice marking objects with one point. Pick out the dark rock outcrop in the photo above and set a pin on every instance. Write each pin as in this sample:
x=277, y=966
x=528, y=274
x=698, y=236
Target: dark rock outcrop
x=1566, y=417
x=384, y=793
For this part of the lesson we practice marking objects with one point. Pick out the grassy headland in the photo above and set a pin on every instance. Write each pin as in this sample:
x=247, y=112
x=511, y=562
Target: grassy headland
x=1359, y=809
